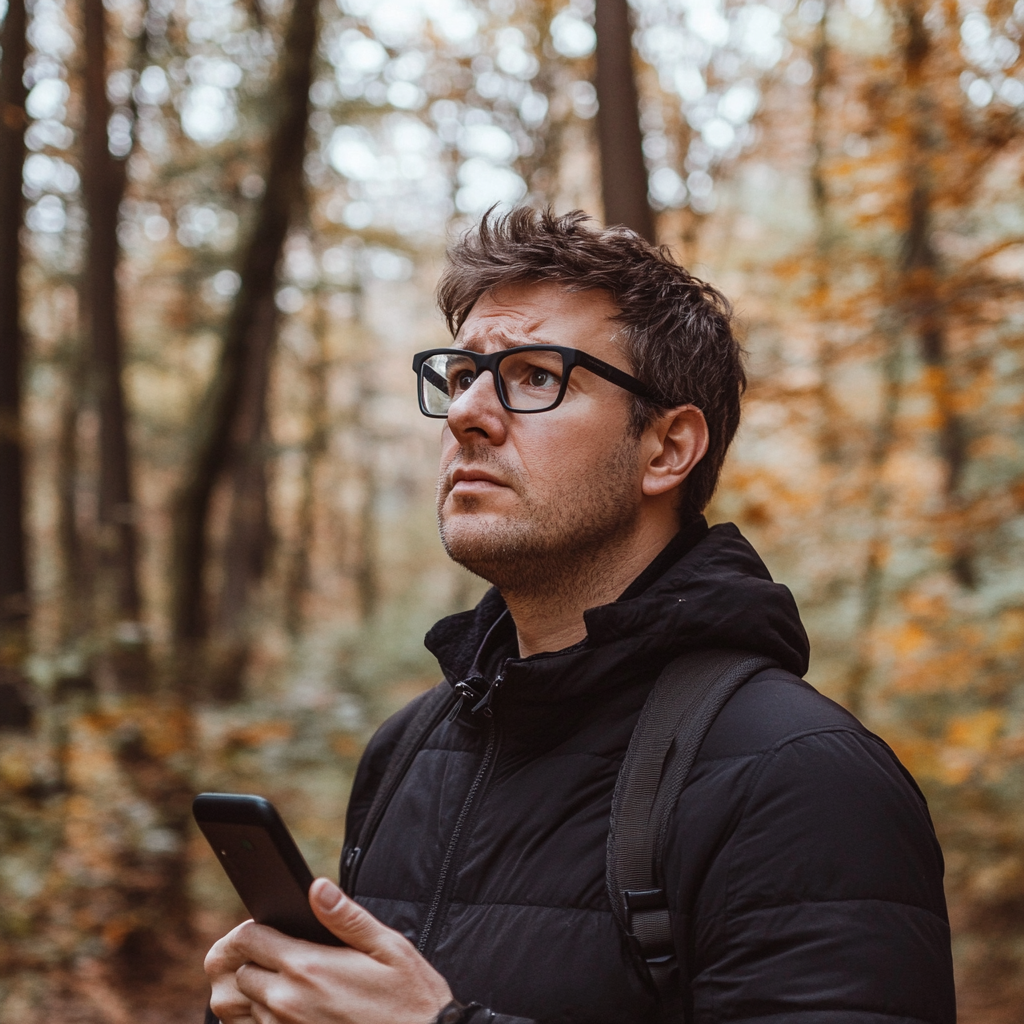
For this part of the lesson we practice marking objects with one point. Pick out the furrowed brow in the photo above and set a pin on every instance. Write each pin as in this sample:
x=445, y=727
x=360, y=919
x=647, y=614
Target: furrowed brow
x=484, y=332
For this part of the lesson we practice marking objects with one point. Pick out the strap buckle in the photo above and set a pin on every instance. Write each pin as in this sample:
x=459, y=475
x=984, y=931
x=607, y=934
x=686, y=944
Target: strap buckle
x=648, y=923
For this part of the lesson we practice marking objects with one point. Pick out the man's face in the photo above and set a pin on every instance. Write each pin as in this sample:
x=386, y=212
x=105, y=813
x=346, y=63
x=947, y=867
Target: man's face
x=522, y=499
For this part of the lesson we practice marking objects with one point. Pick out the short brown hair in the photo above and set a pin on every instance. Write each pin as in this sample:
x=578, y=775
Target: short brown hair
x=677, y=329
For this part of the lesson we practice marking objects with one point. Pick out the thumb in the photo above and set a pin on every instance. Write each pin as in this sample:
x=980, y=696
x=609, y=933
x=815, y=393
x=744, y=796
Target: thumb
x=350, y=922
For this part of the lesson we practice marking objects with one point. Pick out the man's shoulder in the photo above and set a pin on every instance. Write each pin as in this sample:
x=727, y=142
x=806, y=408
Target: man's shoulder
x=774, y=707
x=782, y=756
x=809, y=806
x=389, y=734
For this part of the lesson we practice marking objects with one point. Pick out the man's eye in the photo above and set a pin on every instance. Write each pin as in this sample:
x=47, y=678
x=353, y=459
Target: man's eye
x=463, y=380
x=540, y=378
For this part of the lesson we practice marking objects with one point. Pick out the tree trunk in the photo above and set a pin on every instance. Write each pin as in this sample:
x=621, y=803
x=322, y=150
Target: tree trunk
x=623, y=173
x=830, y=433
x=76, y=588
x=367, y=569
x=920, y=273
x=871, y=581
x=248, y=533
x=297, y=579
x=213, y=443
x=103, y=185
x=14, y=600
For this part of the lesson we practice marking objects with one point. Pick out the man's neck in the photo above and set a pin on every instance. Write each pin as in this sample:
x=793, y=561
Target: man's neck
x=553, y=620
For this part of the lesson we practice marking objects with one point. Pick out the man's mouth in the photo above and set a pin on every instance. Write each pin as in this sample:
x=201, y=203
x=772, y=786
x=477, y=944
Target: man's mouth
x=467, y=480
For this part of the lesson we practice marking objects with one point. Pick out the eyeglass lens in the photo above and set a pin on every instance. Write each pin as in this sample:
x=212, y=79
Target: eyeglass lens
x=531, y=381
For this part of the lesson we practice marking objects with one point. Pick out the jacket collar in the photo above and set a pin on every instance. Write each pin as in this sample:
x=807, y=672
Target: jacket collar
x=716, y=593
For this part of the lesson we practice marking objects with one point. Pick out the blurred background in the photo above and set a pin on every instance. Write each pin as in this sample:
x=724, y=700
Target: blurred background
x=221, y=222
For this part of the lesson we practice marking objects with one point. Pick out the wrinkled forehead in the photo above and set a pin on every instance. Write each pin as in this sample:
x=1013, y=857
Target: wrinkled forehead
x=539, y=313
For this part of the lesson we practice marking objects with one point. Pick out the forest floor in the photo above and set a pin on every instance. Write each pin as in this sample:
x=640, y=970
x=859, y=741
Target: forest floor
x=301, y=750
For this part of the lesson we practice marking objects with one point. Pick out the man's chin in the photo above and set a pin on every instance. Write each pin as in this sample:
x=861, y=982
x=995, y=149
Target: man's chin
x=481, y=543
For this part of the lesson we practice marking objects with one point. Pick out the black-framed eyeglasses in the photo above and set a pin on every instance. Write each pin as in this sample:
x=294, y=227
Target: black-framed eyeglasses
x=530, y=378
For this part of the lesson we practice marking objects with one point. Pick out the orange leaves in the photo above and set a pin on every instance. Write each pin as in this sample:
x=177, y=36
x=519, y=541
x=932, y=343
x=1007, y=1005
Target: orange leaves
x=910, y=639
x=1008, y=629
x=19, y=764
x=257, y=734
x=345, y=745
x=976, y=732
x=973, y=747
x=103, y=842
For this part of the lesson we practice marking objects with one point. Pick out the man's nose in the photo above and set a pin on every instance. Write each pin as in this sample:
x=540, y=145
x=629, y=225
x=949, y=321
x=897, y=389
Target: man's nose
x=478, y=408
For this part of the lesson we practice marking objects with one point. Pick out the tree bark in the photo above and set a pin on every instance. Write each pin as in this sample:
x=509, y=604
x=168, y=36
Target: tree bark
x=248, y=533
x=830, y=433
x=920, y=274
x=14, y=597
x=76, y=588
x=872, y=573
x=297, y=578
x=623, y=172
x=103, y=185
x=212, y=446
x=367, y=569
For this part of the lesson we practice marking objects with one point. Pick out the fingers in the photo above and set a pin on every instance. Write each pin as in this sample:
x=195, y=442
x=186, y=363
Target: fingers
x=254, y=983
x=251, y=942
x=274, y=997
x=354, y=925
x=223, y=955
x=229, y=1005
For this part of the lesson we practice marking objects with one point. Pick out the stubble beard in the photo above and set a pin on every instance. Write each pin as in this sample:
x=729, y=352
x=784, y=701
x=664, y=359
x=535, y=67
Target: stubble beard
x=547, y=548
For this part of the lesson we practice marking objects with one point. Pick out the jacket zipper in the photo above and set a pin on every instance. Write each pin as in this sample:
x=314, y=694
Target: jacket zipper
x=440, y=892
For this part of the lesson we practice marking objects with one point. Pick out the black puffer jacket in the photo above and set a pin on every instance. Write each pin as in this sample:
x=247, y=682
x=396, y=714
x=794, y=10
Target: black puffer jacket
x=804, y=877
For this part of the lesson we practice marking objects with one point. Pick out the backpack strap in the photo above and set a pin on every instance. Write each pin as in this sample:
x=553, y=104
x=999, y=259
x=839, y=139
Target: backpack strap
x=674, y=721
x=435, y=705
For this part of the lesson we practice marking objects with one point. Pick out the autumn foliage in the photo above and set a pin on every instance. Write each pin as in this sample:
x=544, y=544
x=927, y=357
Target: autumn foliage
x=227, y=525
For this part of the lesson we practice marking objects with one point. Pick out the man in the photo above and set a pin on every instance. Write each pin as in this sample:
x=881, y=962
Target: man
x=589, y=399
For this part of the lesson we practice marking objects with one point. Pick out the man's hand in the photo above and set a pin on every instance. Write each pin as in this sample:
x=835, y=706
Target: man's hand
x=259, y=975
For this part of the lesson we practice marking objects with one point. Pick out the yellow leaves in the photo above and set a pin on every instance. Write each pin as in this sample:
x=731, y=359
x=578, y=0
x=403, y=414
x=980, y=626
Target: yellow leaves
x=909, y=639
x=1009, y=632
x=917, y=754
x=972, y=747
x=90, y=761
x=969, y=746
x=114, y=869
x=994, y=881
x=923, y=658
x=16, y=766
x=975, y=732
x=790, y=269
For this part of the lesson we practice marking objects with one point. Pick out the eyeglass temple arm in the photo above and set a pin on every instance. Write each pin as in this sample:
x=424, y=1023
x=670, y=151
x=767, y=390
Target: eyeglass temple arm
x=431, y=375
x=615, y=375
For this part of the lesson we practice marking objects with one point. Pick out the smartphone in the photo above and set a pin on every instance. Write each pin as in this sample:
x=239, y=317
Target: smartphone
x=260, y=857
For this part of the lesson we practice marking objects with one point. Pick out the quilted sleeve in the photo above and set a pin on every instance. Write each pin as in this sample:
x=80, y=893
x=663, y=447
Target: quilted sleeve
x=823, y=903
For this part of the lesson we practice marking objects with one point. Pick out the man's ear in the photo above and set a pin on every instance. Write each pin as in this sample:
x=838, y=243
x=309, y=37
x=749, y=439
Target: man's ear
x=676, y=441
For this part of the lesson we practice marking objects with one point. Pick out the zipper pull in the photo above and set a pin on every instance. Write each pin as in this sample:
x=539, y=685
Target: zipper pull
x=484, y=704
x=463, y=693
x=351, y=859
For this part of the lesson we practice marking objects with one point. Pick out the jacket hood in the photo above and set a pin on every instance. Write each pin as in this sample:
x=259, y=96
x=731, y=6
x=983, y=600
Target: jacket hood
x=718, y=594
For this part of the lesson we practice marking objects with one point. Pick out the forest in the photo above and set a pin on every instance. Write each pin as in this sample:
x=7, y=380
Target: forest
x=221, y=225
